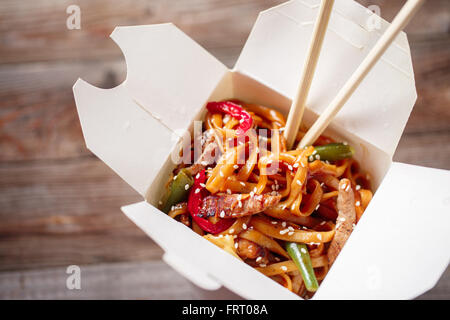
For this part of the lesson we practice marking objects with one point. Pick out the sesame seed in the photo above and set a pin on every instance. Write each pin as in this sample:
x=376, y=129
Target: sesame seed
x=186, y=187
x=175, y=178
x=197, y=190
x=298, y=182
x=341, y=219
x=290, y=233
x=236, y=245
x=244, y=226
x=311, y=158
x=235, y=166
x=160, y=202
x=202, y=185
x=317, y=156
x=358, y=203
x=221, y=173
x=204, y=163
x=283, y=224
x=319, y=236
x=358, y=187
x=274, y=222
x=295, y=165
x=242, y=184
x=290, y=228
x=220, y=235
x=228, y=191
x=317, y=207
x=284, y=231
x=263, y=265
x=222, y=214
x=322, y=223
x=258, y=259
x=231, y=231
x=284, y=268
x=303, y=250
x=290, y=167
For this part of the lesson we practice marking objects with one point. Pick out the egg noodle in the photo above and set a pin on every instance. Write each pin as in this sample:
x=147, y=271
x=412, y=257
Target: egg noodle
x=280, y=211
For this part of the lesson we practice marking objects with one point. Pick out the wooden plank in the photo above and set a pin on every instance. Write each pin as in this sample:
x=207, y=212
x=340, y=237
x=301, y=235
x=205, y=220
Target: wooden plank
x=61, y=212
x=430, y=150
x=130, y=280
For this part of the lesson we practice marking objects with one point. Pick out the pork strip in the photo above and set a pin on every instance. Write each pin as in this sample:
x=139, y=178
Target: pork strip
x=345, y=221
x=230, y=205
x=209, y=149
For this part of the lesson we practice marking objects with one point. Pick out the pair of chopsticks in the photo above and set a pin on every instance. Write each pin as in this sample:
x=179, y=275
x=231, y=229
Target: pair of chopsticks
x=320, y=27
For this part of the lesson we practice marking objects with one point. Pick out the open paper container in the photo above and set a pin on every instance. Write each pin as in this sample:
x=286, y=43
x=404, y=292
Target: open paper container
x=398, y=250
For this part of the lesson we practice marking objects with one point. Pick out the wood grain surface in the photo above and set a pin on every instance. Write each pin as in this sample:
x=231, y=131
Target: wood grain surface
x=59, y=204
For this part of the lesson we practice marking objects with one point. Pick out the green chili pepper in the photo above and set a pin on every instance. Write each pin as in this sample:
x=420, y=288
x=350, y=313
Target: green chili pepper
x=334, y=151
x=178, y=190
x=300, y=255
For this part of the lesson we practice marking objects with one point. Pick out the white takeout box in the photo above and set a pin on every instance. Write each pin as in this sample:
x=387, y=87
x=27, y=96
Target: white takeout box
x=398, y=250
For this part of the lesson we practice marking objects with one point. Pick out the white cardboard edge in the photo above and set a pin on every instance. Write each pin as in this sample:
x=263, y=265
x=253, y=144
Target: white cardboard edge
x=399, y=249
x=167, y=68
x=120, y=133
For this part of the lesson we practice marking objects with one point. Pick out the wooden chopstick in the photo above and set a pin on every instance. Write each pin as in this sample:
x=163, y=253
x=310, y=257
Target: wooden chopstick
x=298, y=104
x=399, y=22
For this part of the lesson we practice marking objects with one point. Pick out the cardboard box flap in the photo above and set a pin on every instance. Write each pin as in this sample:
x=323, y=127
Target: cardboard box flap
x=168, y=73
x=275, y=53
x=399, y=249
x=122, y=134
x=203, y=256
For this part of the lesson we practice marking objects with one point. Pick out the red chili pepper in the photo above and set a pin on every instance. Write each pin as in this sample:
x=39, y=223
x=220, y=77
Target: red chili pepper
x=234, y=110
x=194, y=203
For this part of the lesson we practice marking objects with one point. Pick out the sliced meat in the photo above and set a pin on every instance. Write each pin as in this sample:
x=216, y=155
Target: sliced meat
x=209, y=150
x=345, y=220
x=231, y=205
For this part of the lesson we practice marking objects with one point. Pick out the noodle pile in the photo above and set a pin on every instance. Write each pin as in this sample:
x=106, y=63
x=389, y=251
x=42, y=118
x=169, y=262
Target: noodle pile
x=306, y=186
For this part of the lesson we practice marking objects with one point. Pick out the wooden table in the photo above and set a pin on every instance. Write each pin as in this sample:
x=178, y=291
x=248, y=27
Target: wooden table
x=59, y=204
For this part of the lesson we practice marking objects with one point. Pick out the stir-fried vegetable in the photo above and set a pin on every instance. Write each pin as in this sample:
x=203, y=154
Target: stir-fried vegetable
x=234, y=110
x=300, y=255
x=334, y=151
x=178, y=190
